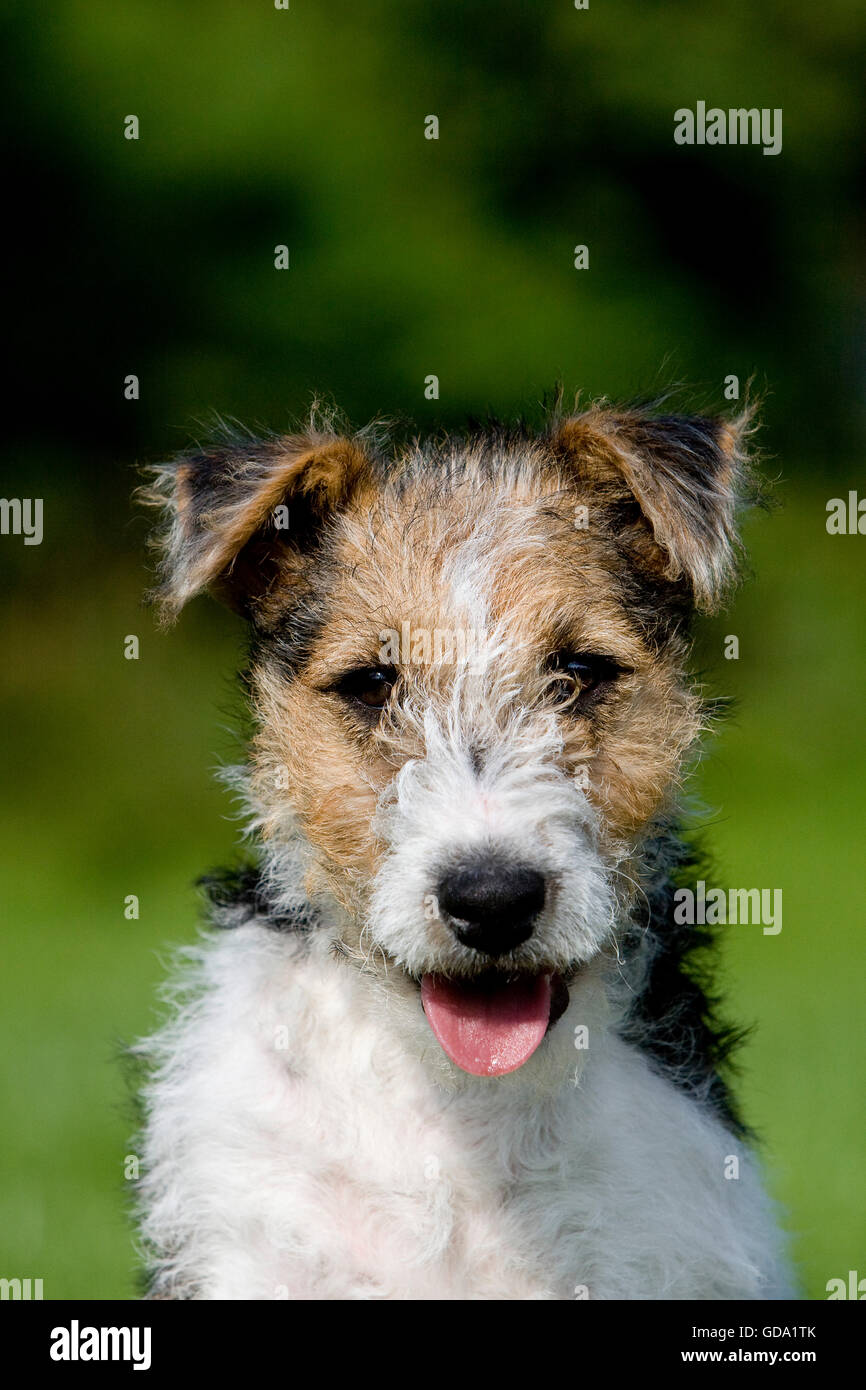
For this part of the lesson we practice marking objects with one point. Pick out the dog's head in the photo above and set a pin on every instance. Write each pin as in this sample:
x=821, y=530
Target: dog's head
x=468, y=677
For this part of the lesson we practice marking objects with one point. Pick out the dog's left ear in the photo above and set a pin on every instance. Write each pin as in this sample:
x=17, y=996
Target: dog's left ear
x=687, y=475
x=225, y=506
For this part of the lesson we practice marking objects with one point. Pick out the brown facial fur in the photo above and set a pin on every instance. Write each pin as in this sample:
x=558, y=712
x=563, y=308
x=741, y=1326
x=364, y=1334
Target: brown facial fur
x=390, y=553
x=433, y=539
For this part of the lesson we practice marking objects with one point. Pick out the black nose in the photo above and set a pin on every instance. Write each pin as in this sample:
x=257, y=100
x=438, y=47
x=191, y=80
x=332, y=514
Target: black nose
x=494, y=903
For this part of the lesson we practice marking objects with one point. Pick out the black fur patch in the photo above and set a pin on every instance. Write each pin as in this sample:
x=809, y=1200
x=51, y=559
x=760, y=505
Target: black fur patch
x=674, y=1018
x=289, y=642
x=238, y=896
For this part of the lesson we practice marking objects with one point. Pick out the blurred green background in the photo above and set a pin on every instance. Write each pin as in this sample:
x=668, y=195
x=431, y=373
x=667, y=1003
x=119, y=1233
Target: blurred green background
x=409, y=257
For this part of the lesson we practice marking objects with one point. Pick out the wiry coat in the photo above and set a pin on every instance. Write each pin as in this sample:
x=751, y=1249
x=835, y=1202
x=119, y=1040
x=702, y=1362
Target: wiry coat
x=307, y=1136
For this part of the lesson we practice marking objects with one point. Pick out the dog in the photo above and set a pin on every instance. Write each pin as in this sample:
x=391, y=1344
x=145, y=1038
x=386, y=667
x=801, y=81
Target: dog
x=444, y=1038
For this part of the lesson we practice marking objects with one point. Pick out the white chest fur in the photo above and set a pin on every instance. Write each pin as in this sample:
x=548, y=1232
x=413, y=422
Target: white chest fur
x=307, y=1139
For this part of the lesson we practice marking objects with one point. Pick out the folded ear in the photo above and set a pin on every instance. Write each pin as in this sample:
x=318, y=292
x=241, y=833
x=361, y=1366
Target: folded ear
x=224, y=531
x=686, y=475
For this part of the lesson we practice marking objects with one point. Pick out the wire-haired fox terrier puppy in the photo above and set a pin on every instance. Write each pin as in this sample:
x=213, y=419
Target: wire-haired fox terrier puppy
x=451, y=1042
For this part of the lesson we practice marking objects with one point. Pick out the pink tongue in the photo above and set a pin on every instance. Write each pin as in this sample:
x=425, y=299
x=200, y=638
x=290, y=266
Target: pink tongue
x=487, y=1028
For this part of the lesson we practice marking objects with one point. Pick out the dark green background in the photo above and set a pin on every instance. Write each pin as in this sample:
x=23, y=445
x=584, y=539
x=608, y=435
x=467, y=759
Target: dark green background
x=410, y=257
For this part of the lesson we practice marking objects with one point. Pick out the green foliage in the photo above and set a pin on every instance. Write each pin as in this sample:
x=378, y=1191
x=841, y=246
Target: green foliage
x=305, y=127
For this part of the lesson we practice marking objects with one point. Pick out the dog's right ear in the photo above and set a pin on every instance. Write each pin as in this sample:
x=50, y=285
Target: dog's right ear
x=687, y=475
x=224, y=532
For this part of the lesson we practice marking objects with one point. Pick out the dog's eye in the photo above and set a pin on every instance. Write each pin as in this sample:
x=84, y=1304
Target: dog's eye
x=576, y=674
x=370, y=687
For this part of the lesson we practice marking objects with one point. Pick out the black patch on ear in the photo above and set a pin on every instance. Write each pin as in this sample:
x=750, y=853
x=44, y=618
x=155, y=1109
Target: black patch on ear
x=689, y=476
x=256, y=567
x=221, y=528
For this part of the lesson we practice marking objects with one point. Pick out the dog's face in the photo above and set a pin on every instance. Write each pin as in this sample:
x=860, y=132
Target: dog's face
x=468, y=677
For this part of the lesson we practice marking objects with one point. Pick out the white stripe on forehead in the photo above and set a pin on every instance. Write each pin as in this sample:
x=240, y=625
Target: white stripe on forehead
x=503, y=529
x=468, y=576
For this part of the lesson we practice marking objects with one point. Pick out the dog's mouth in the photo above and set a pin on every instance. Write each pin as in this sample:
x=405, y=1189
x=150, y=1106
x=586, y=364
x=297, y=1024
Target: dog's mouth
x=492, y=1024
